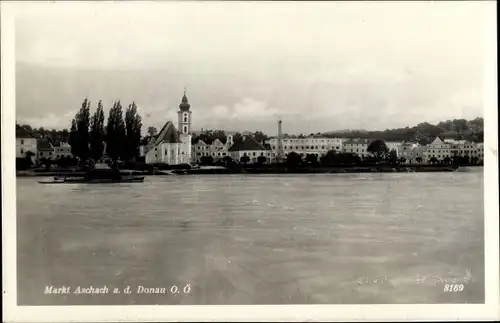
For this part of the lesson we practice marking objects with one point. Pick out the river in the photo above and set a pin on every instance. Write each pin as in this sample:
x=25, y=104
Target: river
x=254, y=239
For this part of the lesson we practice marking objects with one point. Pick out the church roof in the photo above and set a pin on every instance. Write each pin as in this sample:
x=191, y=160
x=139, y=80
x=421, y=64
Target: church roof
x=44, y=144
x=168, y=134
x=247, y=144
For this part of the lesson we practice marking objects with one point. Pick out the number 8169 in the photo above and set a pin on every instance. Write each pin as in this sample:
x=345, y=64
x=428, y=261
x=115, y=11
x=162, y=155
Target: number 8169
x=453, y=287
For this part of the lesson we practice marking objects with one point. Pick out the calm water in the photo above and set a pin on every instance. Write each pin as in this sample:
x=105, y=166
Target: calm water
x=260, y=239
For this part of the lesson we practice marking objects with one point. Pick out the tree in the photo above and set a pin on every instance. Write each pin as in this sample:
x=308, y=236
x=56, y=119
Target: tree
x=207, y=160
x=97, y=133
x=433, y=160
x=64, y=133
x=133, y=126
x=244, y=159
x=80, y=136
x=261, y=159
x=293, y=159
x=447, y=160
x=311, y=159
x=418, y=159
x=259, y=136
x=378, y=149
x=115, y=134
x=402, y=160
x=152, y=131
x=237, y=137
x=330, y=158
x=393, y=156
x=73, y=138
x=227, y=160
x=47, y=162
x=27, y=156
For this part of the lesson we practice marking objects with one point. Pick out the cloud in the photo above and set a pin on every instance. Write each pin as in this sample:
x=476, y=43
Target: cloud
x=49, y=121
x=339, y=65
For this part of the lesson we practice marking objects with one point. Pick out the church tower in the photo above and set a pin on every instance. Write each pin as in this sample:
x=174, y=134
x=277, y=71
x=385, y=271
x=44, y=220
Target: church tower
x=184, y=116
x=184, y=128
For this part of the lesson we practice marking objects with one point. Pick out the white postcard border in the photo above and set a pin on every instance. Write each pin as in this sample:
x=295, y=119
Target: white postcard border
x=14, y=313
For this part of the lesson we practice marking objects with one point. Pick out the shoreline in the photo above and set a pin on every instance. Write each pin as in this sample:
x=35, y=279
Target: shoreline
x=271, y=170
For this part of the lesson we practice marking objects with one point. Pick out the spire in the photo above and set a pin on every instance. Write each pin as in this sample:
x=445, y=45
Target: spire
x=184, y=102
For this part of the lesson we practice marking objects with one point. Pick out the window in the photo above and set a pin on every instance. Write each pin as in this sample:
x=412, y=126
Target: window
x=254, y=154
x=166, y=152
x=185, y=119
x=22, y=151
x=22, y=141
x=185, y=129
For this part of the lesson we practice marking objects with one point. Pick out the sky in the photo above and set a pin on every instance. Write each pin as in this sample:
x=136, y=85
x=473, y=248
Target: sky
x=319, y=66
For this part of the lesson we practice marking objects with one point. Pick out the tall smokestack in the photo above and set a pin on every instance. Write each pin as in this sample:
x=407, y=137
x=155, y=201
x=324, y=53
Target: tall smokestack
x=279, y=146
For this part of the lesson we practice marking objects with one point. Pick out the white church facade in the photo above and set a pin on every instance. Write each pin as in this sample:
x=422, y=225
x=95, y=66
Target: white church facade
x=172, y=146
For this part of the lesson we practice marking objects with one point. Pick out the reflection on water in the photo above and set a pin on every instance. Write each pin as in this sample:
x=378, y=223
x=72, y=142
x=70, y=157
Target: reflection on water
x=259, y=239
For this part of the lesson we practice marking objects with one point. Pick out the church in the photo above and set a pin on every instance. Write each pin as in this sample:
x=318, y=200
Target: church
x=172, y=146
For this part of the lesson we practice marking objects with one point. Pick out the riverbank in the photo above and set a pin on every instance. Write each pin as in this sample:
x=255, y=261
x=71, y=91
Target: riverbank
x=265, y=169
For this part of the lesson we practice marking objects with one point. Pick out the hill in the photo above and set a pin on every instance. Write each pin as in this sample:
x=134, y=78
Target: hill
x=423, y=133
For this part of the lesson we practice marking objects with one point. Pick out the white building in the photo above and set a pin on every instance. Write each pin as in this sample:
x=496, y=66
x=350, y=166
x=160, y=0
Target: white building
x=216, y=149
x=437, y=149
x=411, y=152
x=463, y=148
x=62, y=148
x=25, y=143
x=307, y=145
x=480, y=151
x=393, y=145
x=251, y=148
x=357, y=146
x=171, y=146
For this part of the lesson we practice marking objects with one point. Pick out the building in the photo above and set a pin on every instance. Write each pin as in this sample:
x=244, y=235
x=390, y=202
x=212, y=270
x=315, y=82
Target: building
x=217, y=149
x=480, y=151
x=61, y=148
x=393, y=145
x=45, y=149
x=357, y=146
x=413, y=153
x=462, y=147
x=251, y=148
x=437, y=149
x=314, y=144
x=171, y=146
x=25, y=143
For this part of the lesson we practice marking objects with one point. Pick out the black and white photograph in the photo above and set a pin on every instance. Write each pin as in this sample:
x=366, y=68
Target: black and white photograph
x=207, y=156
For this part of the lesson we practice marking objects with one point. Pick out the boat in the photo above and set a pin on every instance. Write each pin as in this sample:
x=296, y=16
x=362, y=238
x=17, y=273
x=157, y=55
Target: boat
x=97, y=176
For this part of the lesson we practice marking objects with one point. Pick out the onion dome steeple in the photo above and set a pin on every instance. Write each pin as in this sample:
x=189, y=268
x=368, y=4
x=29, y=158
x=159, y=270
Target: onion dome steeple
x=184, y=106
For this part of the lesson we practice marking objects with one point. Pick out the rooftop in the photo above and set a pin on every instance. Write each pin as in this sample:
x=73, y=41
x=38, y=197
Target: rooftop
x=248, y=143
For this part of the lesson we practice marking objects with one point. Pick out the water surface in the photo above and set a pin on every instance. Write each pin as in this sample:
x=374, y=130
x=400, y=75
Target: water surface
x=256, y=239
